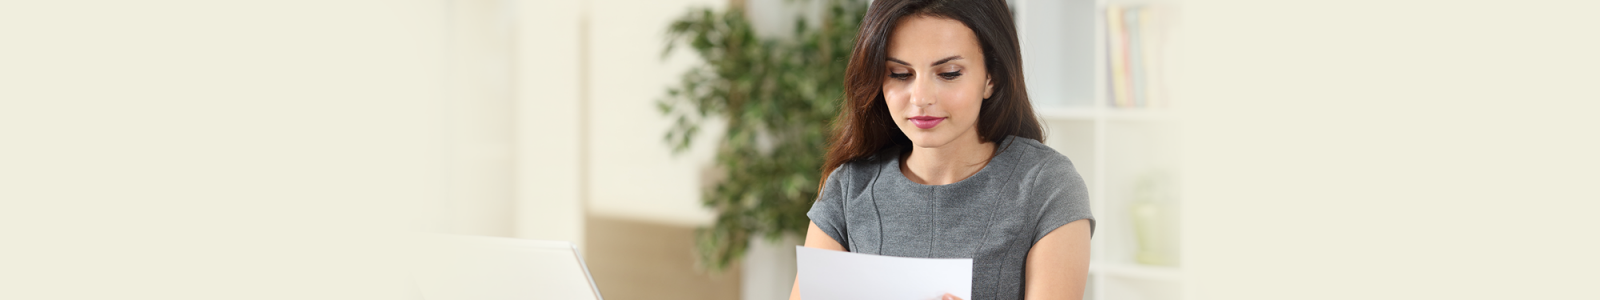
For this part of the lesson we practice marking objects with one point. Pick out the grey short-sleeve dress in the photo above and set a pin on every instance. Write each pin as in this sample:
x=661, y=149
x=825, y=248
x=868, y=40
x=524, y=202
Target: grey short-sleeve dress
x=994, y=217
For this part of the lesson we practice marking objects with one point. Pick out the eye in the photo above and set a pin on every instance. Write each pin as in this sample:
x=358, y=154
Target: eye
x=899, y=76
x=950, y=75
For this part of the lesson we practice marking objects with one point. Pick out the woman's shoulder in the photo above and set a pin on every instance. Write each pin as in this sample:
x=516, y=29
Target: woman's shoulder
x=863, y=169
x=1037, y=166
x=1035, y=155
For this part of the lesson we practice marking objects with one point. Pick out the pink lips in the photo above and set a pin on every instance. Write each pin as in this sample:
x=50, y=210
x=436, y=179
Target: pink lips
x=925, y=122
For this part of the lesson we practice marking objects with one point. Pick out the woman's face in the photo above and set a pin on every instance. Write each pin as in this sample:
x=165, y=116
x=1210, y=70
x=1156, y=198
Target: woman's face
x=936, y=80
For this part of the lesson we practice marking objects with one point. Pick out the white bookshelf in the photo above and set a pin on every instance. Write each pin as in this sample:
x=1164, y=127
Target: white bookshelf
x=1064, y=52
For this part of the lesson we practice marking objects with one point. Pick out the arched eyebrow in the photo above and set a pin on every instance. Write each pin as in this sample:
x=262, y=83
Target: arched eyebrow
x=935, y=63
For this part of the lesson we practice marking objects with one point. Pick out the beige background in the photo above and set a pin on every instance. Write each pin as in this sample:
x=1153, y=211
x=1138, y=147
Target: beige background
x=1390, y=149
x=258, y=150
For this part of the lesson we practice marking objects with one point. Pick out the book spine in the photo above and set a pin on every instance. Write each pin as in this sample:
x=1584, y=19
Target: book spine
x=1137, y=66
x=1117, y=56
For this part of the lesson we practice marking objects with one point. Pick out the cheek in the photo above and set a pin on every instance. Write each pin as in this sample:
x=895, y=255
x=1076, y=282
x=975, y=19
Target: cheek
x=896, y=98
x=965, y=102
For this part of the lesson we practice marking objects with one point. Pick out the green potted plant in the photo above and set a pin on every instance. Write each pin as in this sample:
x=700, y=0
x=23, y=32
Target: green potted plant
x=778, y=97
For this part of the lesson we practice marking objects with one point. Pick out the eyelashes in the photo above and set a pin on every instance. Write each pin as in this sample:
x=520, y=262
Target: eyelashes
x=945, y=75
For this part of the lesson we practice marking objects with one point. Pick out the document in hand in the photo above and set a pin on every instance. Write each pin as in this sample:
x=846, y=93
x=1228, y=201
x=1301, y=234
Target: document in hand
x=836, y=275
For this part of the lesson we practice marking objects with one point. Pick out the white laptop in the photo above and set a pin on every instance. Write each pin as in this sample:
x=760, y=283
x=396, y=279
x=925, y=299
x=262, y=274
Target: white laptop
x=451, y=267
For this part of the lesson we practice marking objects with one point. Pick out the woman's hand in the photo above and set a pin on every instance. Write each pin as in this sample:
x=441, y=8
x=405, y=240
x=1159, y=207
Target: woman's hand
x=948, y=296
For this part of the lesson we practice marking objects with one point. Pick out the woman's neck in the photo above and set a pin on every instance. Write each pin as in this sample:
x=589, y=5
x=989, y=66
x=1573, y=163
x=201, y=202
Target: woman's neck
x=949, y=163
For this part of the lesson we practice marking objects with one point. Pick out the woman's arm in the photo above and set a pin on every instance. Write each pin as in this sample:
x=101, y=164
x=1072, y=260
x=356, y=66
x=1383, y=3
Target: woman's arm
x=1058, y=265
x=815, y=238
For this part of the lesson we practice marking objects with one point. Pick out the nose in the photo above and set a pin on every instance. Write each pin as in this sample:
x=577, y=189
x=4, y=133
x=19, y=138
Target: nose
x=922, y=93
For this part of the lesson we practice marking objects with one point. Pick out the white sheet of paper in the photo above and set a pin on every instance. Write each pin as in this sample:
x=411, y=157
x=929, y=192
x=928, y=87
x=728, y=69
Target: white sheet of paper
x=837, y=275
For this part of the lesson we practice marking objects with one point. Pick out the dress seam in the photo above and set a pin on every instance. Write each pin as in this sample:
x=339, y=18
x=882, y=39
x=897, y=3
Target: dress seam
x=933, y=218
x=873, y=196
x=992, y=194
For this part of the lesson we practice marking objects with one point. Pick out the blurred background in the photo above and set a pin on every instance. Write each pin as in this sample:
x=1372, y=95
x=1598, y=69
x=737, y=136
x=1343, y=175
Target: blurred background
x=1234, y=149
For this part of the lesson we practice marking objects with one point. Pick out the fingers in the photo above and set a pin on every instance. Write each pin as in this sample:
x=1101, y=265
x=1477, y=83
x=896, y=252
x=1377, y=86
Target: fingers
x=948, y=296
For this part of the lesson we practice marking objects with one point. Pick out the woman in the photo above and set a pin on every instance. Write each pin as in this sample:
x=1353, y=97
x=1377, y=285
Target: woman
x=937, y=154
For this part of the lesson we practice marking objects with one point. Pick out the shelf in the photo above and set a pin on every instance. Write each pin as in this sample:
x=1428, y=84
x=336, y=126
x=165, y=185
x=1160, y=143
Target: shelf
x=1067, y=113
x=1110, y=114
x=1066, y=44
x=1136, y=271
x=1139, y=114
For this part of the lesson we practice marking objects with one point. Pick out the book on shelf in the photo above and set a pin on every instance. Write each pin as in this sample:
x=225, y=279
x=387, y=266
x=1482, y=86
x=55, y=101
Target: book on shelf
x=1134, y=56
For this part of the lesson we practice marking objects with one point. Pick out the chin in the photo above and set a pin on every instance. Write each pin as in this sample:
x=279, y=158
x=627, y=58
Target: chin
x=928, y=139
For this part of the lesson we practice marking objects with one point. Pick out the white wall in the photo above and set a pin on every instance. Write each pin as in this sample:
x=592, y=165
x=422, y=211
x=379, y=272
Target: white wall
x=178, y=149
x=478, y=117
x=513, y=115
x=552, y=116
x=632, y=172
x=213, y=150
x=1391, y=149
x=549, y=115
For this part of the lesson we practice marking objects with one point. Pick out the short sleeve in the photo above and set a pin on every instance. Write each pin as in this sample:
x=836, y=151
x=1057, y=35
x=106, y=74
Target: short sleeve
x=1062, y=196
x=828, y=211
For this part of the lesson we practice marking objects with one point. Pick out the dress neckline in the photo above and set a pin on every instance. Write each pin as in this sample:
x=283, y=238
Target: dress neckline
x=1003, y=149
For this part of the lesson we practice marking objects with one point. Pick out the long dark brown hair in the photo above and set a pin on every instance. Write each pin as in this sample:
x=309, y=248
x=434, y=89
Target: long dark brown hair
x=864, y=127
